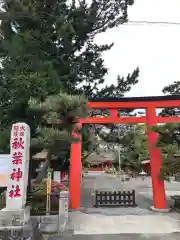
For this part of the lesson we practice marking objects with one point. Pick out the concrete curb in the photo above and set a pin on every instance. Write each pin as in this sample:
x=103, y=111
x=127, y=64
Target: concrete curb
x=159, y=210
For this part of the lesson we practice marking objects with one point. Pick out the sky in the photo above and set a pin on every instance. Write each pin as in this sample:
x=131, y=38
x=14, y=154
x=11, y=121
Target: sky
x=155, y=49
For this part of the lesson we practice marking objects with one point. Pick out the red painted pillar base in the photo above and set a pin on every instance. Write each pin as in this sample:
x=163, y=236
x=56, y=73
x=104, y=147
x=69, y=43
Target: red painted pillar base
x=159, y=196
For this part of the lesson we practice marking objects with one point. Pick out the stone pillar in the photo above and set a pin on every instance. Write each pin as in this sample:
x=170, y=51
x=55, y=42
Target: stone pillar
x=18, y=175
x=63, y=211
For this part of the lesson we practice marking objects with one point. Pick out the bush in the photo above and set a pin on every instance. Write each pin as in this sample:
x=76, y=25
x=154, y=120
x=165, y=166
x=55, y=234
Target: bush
x=37, y=198
x=41, y=189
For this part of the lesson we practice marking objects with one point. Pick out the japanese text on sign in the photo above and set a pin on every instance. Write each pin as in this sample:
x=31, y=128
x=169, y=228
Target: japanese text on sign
x=17, y=160
x=15, y=192
x=18, y=131
x=19, y=166
x=16, y=174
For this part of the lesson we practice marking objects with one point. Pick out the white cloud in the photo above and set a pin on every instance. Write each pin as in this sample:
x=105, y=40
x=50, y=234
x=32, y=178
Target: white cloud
x=154, y=48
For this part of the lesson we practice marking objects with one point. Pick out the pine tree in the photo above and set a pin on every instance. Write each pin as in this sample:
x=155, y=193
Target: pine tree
x=59, y=113
x=134, y=148
x=58, y=38
x=172, y=89
x=169, y=143
x=169, y=137
x=48, y=46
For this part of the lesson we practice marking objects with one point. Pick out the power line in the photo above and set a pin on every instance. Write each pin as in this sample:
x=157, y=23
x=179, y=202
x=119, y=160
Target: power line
x=138, y=23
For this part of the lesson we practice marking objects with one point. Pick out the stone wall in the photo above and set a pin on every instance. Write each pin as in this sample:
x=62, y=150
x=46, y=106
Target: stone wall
x=29, y=231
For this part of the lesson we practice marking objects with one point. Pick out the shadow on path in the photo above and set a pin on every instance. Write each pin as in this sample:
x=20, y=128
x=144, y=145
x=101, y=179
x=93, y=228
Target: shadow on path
x=86, y=192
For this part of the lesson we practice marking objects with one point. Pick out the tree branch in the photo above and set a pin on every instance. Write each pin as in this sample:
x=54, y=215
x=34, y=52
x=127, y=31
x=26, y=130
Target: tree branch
x=91, y=152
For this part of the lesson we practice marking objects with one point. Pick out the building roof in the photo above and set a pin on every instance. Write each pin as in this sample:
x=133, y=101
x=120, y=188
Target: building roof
x=101, y=158
x=42, y=155
x=145, y=161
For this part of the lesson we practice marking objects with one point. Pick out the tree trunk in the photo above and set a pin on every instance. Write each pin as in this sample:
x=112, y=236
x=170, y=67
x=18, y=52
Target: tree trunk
x=29, y=174
x=42, y=173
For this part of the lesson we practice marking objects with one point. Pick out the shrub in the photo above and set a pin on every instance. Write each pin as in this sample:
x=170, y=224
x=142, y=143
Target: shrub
x=38, y=197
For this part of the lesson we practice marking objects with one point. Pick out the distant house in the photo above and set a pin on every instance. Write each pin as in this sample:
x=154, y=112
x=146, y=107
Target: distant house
x=100, y=161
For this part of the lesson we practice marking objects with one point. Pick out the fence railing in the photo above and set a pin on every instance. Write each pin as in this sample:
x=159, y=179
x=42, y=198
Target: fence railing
x=115, y=198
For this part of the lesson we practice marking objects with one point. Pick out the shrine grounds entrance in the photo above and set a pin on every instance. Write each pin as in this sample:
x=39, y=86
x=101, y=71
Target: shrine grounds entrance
x=150, y=104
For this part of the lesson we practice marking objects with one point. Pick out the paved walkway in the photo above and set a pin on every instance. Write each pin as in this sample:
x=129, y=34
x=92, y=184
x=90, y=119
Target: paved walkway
x=123, y=223
x=86, y=192
x=107, y=183
x=173, y=236
x=87, y=224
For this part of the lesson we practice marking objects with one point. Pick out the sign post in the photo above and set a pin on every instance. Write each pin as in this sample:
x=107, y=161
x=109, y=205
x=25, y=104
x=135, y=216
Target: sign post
x=19, y=167
x=48, y=191
x=63, y=211
x=16, y=212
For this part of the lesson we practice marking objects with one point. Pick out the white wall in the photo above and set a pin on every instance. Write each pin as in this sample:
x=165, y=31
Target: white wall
x=4, y=166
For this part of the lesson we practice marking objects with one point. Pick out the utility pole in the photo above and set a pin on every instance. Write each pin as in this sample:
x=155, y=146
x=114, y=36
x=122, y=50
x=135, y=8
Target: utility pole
x=119, y=157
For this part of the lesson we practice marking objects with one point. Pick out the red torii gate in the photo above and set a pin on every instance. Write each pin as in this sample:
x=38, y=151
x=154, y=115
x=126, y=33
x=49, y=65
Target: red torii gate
x=150, y=104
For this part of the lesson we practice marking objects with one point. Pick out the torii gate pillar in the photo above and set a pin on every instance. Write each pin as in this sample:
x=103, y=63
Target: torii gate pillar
x=75, y=174
x=159, y=196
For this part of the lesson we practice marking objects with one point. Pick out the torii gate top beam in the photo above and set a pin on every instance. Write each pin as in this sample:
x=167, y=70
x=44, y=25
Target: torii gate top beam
x=132, y=103
x=135, y=102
